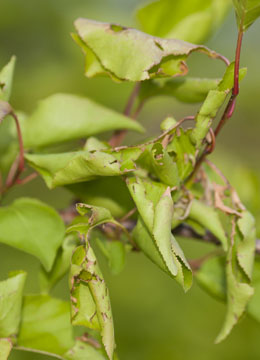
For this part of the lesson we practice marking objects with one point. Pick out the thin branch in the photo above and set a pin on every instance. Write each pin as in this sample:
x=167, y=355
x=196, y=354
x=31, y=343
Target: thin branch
x=119, y=135
x=186, y=231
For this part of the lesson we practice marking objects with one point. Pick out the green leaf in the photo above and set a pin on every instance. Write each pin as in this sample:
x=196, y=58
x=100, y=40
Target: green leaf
x=246, y=237
x=89, y=294
x=63, y=117
x=113, y=250
x=213, y=102
x=188, y=90
x=74, y=167
x=11, y=293
x=156, y=210
x=109, y=192
x=6, y=79
x=84, y=351
x=212, y=278
x=5, y=348
x=60, y=266
x=190, y=20
x=209, y=219
x=128, y=54
x=34, y=227
x=46, y=325
x=163, y=166
x=247, y=12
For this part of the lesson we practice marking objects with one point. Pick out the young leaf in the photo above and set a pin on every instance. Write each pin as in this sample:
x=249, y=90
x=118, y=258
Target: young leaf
x=63, y=117
x=188, y=90
x=60, y=266
x=190, y=20
x=6, y=79
x=11, y=293
x=84, y=351
x=247, y=12
x=34, y=227
x=213, y=102
x=46, y=325
x=5, y=348
x=89, y=295
x=128, y=54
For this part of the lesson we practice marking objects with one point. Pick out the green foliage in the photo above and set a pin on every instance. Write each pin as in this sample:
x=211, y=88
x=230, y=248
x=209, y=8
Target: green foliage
x=247, y=12
x=133, y=198
x=128, y=54
x=192, y=20
x=22, y=227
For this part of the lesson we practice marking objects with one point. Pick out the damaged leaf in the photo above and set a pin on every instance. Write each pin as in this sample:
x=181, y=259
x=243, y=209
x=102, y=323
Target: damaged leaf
x=128, y=54
x=90, y=304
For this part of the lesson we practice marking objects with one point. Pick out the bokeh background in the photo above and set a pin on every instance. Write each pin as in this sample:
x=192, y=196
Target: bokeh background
x=154, y=319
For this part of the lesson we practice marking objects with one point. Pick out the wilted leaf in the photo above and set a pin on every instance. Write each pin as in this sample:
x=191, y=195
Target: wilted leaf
x=63, y=117
x=60, y=266
x=247, y=12
x=84, y=351
x=89, y=295
x=6, y=79
x=34, y=227
x=156, y=210
x=11, y=293
x=46, y=325
x=129, y=54
x=188, y=90
x=190, y=20
x=5, y=348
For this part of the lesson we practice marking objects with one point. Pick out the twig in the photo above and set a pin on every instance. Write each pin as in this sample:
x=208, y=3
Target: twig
x=119, y=135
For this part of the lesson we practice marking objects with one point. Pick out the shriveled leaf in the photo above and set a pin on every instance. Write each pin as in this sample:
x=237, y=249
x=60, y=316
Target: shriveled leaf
x=89, y=295
x=190, y=20
x=5, y=348
x=45, y=325
x=6, y=79
x=128, y=54
x=188, y=90
x=34, y=227
x=11, y=293
x=64, y=117
x=61, y=264
x=247, y=12
x=209, y=219
x=84, y=351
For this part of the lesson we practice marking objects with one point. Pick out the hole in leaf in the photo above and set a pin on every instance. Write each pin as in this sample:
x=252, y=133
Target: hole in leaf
x=117, y=28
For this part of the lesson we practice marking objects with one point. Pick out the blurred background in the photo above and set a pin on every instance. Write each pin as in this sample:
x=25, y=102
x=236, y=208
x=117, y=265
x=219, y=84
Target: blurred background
x=154, y=319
